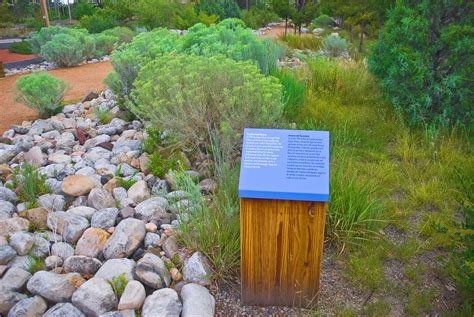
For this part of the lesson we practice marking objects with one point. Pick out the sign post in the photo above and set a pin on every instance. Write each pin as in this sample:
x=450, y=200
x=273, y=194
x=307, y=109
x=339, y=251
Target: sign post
x=283, y=189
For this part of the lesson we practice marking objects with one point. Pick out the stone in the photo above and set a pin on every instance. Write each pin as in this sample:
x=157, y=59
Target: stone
x=151, y=209
x=64, y=310
x=126, y=170
x=62, y=249
x=66, y=141
x=35, y=157
x=52, y=170
x=14, y=280
x=54, y=287
x=53, y=261
x=95, y=297
x=97, y=153
x=81, y=264
x=105, y=218
x=6, y=254
x=176, y=274
x=127, y=212
x=197, y=301
x=133, y=296
x=119, y=313
x=6, y=209
x=116, y=267
x=92, y=243
x=22, y=242
x=101, y=138
x=139, y=192
x=86, y=170
x=83, y=211
x=20, y=261
x=207, y=186
x=7, y=195
x=77, y=185
x=70, y=226
x=37, y=217
x=177, y=195
x=100, y=199
x=152, y=240
x=11, y=225
x=127, y=145
x=59, y=158
x=89, y=96
x=52, y=202
x=7, y=153
x=144, y=160
x=8, y=299
x=197, y=269
x=152, y=271
x=33, y=306
x=41, y=247
x=151, y=227
x=170, y=247
x=128, y=235
x=163, y=302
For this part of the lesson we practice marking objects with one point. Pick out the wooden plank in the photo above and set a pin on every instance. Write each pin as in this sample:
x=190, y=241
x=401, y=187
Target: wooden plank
x=281, y=251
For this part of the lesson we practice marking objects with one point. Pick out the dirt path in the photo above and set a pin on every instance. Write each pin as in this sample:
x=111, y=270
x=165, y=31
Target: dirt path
x=7, y=57
x=80, y=80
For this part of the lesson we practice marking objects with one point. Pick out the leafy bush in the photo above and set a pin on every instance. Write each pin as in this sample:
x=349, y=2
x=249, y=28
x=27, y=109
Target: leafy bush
x=41, y=92
x=224, y=9
x=81, y=9
x=165, y=13
x=256, y=18
x=123, y=34
x=101, y=20
x=29, y=184
x=22, y=47
x=192, y=96
x=63, y=50
x=334, y=45
x=41, y=37
x=293, y=92
x=105, y=43
x=302, y=42
x=322, y=21
x=424, y=60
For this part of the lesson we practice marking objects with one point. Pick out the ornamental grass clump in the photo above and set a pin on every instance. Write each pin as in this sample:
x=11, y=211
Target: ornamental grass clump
x=41, y=92
x=201, y=100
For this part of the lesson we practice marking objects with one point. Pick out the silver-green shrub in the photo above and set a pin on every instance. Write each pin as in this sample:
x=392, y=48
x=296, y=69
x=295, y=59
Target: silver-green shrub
x=334, y=45
x=64, y=50
x=41, y=92
x=203, y=101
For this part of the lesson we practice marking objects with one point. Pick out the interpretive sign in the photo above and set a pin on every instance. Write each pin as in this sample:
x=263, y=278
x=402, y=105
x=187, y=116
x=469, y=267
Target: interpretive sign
x=284, y=189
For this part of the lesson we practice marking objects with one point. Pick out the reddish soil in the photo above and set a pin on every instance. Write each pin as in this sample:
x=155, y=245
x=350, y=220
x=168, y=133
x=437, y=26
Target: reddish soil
x=275, y=31
x=7, y=57
x=80, y=80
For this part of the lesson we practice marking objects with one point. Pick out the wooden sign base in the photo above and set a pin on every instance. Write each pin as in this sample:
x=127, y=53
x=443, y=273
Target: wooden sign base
x=281, y=251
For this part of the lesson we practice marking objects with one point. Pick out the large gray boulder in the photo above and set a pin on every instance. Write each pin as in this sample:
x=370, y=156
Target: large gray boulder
x=95, y=297
x=62, y=249
x=6, y=254
x=11, y=225
x=116, y=267
x=127, y=236
x=14, y=280
x=6, y=209
x=105, y=218
x=100, y=199
x=33, y=306
x=83, y=211
x=70, y=226
x=197, y=269
x=52, y=202
x=64, y=310
x=54, y=287
x=150, y=209
x=197, y=301
x=22, y=242
x=162, y=303
x=7, y=194
x=81, y=264
x=152, y=271
x=8, y=299
x=133, y=296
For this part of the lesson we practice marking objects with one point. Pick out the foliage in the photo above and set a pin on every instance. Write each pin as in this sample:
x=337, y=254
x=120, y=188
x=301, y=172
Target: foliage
x=103, y=115
x=304, y=14
x=424, y=60
x=105, y=43
x=44, y=35
x=82, y=8
x=165, y=13
x=224, y=9
x=118, y=284
x=322, y=21
x=334, y=45
x=193, y=96
x=5, y=14
x=22, y=47
x=121, y=33
x=301, y=42
x=29, y=184
x=41, y=92
x=161, y=163
x=100, y=20
x=293, y=92
x=122, y=9
x=256, y=18
x=34, y=264
x=283, y=9
x=63, y=50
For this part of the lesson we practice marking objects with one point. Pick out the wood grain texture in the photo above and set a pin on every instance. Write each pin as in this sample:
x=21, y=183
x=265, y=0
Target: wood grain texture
x=281, y=251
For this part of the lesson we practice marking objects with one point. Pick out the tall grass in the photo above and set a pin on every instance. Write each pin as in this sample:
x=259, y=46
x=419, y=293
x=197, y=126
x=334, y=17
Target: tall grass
x=29, y=184
x=301, y=42
x=293, y=91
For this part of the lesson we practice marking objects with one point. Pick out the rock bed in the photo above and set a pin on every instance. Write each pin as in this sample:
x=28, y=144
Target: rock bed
x=44, y=66
x=89, y=231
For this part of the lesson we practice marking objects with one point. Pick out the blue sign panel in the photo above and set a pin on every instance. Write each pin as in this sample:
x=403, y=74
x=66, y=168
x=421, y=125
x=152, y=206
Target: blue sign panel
x=285, y=164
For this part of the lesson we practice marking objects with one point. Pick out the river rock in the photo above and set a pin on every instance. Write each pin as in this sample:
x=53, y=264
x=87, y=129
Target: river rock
x=170, y=247
x=92, y=242
x=37, y=217
x=64, y=310
x=52, y=202
x=70, y=226
x=197, y=269
x=11, y=225
x=7, y=194
x=33, y=306
x=128, y=235
x=133, y=296
x=40, y=247
x=207, y=186
x=77, y=185
x=163, y=302
x=81, y=264
x=152, y=240
x=152, y=271
x=6, y=254
x=14, y=280
x=95, y=297
x=150, y=209
x=8, y=299
x=197, y=301
x=6, y=209
x=139, y=192
x=100, y=199
x=62, y=249
x=53, y=261
x=54, y=287
x=116, y=267
x=22, y=242
x=83, y=211
x=105, y=218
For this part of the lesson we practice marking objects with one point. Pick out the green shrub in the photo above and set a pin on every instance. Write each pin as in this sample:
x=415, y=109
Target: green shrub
x=256, y=18
x=29, y=184
x=22, y=47
x=293, y=92
x=334, y=45
x=322, y=21
x=302, y=42
x=192, y=96
x=34, y=264
x=165, y=13
x=41, y=92
x=81, y=9
x=44, y=35
x=123, y=34
x=161, y=163
x=118, y=284
x=101, y=20
x=424, y=60
x=105, y=43
x=63, y=50
x=104, y=116
x=224, y=9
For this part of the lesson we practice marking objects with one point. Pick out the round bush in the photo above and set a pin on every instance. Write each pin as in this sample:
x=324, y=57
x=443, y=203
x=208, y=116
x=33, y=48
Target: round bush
x=334, y=45
x=105, y=43
x=63, y=50
x=202, y=101
x=322, y=21
x=123, y=34
x=41, y=92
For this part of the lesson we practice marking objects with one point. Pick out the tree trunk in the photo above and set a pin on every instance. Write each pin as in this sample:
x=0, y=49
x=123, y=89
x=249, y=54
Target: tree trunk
x=247, y=4
x=361, y=41
x=69, y=10
x=286, y=26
